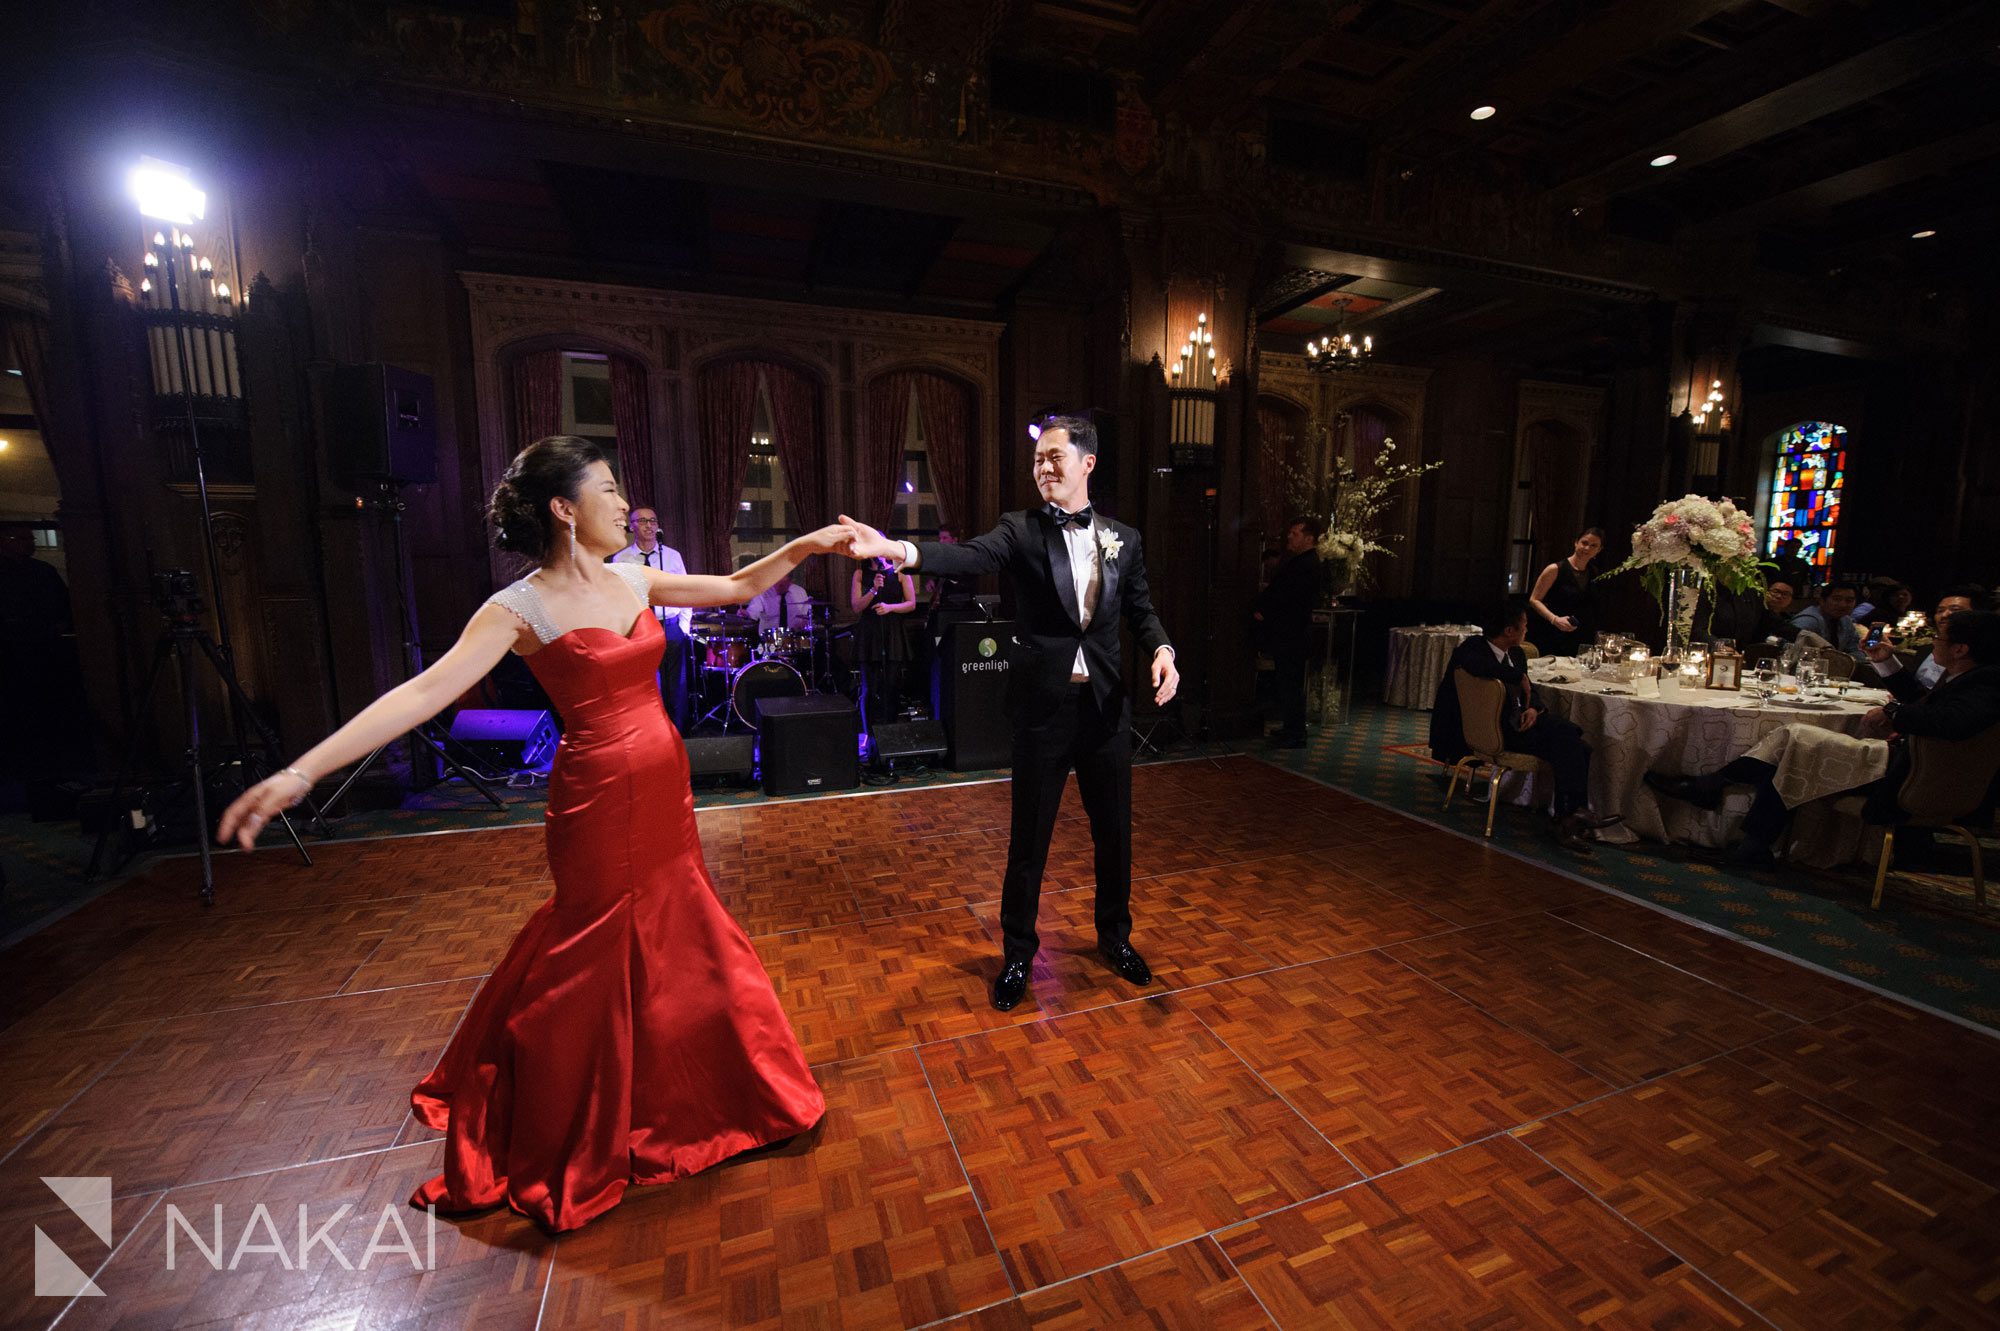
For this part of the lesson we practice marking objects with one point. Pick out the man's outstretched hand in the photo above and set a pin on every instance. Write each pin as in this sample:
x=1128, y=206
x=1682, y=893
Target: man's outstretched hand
x=867, y=543
x=1166, y=678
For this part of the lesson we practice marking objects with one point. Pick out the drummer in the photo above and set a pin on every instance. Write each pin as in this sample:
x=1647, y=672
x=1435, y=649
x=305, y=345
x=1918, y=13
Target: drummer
x=786, y=606
x=647, y=548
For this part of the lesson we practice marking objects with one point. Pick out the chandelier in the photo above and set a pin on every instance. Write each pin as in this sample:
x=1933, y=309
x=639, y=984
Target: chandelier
x=1338, y=351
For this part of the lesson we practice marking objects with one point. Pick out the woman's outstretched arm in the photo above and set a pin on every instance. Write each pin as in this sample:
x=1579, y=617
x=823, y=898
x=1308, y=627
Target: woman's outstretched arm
x=488, y=636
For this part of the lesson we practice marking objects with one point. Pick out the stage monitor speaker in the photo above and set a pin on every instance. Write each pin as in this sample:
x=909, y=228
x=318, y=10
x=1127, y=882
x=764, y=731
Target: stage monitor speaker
x=809, y=745
x=893, y=740
x=969, y=690
x=730, y=759
x=382, y=426
x=506, y=738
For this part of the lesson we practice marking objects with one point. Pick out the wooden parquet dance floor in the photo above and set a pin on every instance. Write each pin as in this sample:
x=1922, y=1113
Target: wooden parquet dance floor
x=1386, y=1078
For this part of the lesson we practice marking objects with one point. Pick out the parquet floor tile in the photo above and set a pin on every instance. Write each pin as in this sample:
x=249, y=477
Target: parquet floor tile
x=1173, y=931
x=867, y=1221
x=1487, y=1237
x=208, y=963
x=1389, y=1066
x=864, y=988
x=1463, y=882
x=1298, y=908
x=1161, y=843
x=1773, y=981
x=1189, y=1285
x=1101, y=1136
x=459, y=936
x=1815, y=1220
x=489, y=1274
x=903, y=876
x=1616, y=1014
x=41, y=1074
x=214, y=1095
x=775, y=887
x=1926, y=1082
x=20, y=1307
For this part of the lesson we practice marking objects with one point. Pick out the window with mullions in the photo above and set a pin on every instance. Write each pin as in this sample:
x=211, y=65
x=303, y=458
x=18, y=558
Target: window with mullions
x=1806, y=483
x=916, y=511
x=587, y=402
x=764, y=518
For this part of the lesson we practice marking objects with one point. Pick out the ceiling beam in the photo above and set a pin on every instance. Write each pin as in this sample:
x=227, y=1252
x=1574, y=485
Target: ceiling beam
x=1870, y=74
x=1886, y=173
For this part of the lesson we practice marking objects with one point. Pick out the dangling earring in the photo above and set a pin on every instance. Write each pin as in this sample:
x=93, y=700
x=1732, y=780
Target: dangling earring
x=572, y=545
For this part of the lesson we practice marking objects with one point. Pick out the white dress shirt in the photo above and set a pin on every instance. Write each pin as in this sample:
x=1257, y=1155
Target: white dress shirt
x=1929, y=672
x=1087, y=578
x=667, y=560
x=796, y=611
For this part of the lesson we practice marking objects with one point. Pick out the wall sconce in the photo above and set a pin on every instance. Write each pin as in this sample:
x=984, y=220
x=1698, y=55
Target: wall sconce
x=1193, y=395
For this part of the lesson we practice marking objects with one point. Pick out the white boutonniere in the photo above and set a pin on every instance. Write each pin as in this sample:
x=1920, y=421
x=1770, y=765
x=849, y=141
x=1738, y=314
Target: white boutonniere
x=1109, y=544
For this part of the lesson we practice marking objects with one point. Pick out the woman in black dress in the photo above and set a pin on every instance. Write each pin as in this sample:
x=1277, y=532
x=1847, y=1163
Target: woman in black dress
x=1562, y=599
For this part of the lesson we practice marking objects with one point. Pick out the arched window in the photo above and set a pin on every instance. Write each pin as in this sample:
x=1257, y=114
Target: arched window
x=1806, y=481
x=764, y=516
x=916, y=496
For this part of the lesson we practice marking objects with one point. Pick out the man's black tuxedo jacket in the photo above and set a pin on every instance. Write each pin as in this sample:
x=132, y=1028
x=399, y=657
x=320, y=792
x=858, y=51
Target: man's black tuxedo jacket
x=1029, y=548
x=1475, y=657
x=1956, y=708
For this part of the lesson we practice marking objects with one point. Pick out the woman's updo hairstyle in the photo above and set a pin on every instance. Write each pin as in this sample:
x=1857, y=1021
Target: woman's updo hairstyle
x=542, y=471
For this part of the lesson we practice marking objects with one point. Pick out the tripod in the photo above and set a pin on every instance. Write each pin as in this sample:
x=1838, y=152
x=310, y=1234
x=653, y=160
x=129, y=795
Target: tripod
x=176, y=598
x=427, y=736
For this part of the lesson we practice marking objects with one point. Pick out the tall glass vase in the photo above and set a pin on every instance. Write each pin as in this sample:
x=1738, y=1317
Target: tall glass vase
x=1677, y=607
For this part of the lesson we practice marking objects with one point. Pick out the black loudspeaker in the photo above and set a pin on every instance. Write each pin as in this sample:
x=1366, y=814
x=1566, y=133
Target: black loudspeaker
x=809, y=745
x=969, y=691
x=894, y=740
x=506, y=738
x=382, y=426
x=729, y=759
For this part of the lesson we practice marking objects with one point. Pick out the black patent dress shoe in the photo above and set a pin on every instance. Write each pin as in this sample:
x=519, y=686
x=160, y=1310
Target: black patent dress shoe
x=1129, y=964
x=1009, y=985
x=1573, y=835
x=1595, y=821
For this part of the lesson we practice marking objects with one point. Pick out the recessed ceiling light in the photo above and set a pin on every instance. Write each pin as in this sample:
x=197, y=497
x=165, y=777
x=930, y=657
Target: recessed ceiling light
x=3, y=445
x=1922, y=235
x=1483, y=112
x=1666, y=159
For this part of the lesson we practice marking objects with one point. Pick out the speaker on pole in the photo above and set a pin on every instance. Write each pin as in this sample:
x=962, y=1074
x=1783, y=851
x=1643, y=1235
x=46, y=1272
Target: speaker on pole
x=382, y=426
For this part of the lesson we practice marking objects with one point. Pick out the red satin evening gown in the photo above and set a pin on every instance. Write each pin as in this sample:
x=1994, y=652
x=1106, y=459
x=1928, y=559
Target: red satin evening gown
x=630, y=1035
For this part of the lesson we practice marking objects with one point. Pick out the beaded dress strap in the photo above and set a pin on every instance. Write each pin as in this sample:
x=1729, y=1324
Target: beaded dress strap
x=526, y=604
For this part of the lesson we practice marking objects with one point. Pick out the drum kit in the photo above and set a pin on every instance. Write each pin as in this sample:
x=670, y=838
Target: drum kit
x=741, y=666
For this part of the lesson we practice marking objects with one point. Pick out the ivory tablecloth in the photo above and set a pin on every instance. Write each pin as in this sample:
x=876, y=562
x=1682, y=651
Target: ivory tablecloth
x=1417, y=658
x=1691, y=732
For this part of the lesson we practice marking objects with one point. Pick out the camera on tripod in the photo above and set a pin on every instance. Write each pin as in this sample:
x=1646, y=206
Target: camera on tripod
x=176, y=594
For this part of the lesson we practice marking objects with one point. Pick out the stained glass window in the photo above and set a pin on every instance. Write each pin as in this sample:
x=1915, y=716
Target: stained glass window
x=1805, y=490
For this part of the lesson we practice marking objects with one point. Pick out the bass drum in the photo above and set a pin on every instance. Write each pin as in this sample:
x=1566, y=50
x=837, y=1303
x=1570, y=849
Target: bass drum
x=760, y=680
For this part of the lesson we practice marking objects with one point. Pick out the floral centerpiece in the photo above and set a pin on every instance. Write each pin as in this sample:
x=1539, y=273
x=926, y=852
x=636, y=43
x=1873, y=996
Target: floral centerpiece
x=1352, y=507
x=1689, y=546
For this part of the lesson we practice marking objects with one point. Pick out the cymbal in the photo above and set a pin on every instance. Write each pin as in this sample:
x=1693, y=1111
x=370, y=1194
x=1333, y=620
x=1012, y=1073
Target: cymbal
x=722, y=624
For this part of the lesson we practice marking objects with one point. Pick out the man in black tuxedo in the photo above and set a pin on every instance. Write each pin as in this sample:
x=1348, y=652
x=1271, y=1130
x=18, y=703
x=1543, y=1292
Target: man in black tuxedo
x=1526, y=727
x=1964, y=702
x=1076, y=573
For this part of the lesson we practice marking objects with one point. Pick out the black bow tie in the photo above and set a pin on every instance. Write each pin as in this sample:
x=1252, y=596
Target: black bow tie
x=1080, y=518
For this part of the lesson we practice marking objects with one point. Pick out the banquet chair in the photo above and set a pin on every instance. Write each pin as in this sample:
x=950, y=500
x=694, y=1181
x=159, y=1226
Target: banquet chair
x=1529, y=650
x=1836, y=663
x=1479, y=704
x=1947, y=784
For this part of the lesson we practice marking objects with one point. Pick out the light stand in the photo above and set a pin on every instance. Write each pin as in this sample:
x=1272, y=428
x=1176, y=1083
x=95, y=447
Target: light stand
x=427, y=737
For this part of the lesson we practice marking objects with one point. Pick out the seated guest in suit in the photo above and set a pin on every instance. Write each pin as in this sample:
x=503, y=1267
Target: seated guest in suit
x=1831, y=618
x=1964, y=702
x=1497, y=654
x=1751, y=617
x=1965, y=596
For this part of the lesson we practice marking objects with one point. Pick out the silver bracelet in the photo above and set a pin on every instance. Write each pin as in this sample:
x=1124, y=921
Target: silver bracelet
x=293, y=771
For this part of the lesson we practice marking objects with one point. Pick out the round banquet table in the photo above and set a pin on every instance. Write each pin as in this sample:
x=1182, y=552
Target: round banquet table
x=1417, y=658
x=1688, y=732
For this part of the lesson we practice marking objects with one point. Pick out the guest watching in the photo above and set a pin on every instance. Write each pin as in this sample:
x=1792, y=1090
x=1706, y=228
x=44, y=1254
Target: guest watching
x=1562, y=599
x=1965, y=596
x=1832, y=619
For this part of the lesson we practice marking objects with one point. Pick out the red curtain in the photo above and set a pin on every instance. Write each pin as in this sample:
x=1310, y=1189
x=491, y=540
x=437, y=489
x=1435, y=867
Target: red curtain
x=537, y=382
x=946, y=408
x=795, y=434
x=632, y=417
x=726, y=410
x=881, y=450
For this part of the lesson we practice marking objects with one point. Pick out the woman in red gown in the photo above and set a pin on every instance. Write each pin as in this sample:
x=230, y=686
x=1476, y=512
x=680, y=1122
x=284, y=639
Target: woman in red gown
x=630, y=1034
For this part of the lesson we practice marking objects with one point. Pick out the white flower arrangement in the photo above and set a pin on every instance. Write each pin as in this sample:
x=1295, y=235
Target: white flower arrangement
x=1352, y=506
x=1108, y=544
x=1691, y=543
